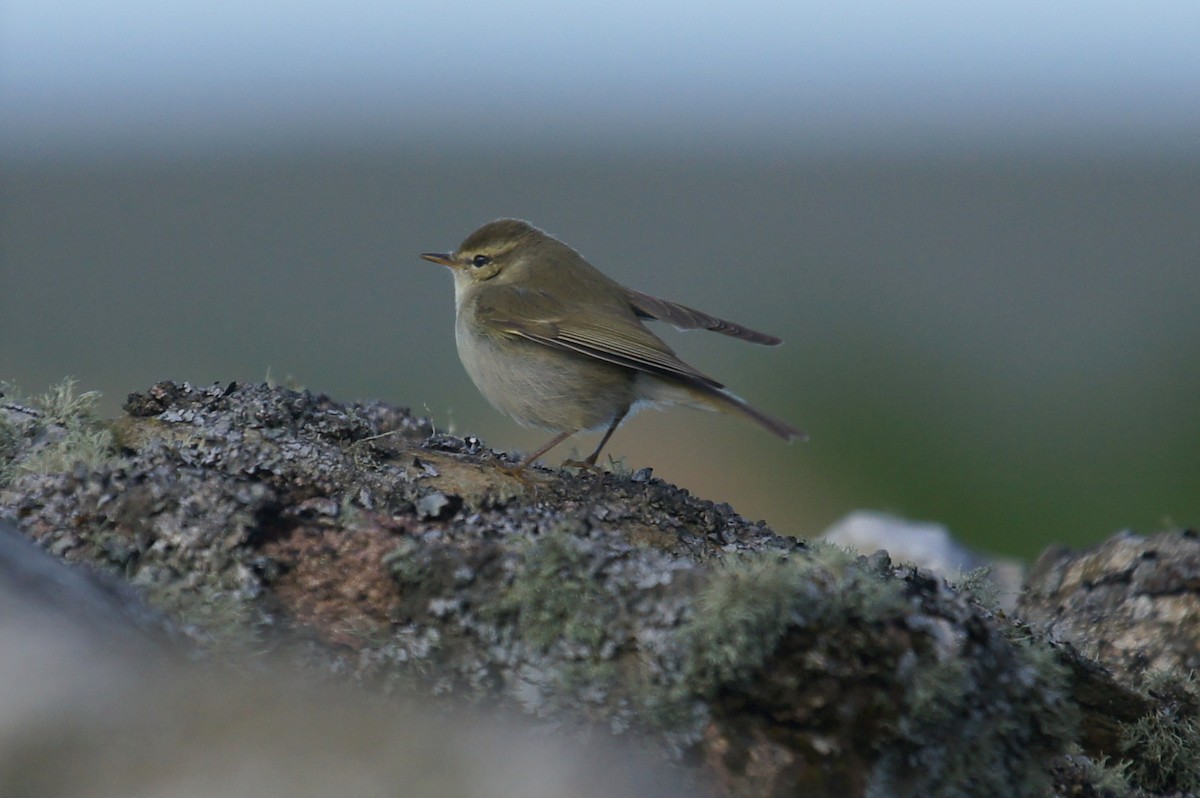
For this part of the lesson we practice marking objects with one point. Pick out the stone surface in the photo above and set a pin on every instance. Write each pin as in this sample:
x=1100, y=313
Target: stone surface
x=271, y=526
x=1131, y=604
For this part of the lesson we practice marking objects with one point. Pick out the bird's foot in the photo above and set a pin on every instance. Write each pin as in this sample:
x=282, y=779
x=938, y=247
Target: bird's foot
x=588, y=465
x=519, y=473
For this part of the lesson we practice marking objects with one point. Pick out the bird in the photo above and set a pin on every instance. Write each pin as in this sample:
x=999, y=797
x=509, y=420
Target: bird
x=554, y=343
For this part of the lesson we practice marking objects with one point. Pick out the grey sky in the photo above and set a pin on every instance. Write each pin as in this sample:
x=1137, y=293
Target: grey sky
x=139, y=70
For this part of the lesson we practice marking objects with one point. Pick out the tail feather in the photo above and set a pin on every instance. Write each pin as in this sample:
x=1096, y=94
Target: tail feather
x=655, y=390
x=726, y=400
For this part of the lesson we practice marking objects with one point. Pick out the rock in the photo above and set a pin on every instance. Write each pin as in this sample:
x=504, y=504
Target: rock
x=274, y=526
x=926, y=545
x=1131, y=604
x=97, y=701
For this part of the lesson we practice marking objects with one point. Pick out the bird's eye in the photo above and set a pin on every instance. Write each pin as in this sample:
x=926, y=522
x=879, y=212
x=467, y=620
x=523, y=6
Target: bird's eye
x=480, y=261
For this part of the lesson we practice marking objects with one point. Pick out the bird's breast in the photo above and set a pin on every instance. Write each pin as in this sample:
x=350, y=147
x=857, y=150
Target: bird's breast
x=540, y=385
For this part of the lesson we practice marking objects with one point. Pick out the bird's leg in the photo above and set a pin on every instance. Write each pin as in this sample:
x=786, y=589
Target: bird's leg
x=590, y=462
x=608, y=434
x=515, y=471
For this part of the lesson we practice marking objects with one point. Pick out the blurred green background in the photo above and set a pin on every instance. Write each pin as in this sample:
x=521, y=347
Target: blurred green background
x=986, y=270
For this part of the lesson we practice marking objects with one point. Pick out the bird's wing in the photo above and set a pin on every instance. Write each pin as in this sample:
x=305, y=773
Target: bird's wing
x=539, y=316
x=684, y=318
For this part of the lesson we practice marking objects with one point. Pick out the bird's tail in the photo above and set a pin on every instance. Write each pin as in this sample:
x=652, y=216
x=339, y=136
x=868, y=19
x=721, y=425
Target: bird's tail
x=725, y=401
x=706, y=397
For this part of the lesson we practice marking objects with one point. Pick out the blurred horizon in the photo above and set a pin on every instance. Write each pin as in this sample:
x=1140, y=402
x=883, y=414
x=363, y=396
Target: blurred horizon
x=872, y=76
x=976, y=229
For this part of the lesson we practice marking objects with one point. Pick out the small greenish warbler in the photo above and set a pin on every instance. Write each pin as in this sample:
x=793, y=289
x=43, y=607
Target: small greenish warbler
x=552, y=342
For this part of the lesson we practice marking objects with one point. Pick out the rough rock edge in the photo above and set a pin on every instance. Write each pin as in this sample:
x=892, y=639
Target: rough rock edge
x=355, y=538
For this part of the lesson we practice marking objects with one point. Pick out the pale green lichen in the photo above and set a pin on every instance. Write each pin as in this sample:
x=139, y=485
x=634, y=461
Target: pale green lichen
x=741, y=614
x=73, y=434
x=555, y=593
x=10, y=445
x=1164, y=746
x=748, y=604
x=90, y=447
x=977, y=585
x=984, y=723
x=61, y=405
x=1110, y=779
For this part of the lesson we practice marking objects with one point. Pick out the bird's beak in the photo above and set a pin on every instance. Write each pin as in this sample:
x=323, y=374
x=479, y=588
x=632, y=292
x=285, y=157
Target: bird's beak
x=438, y=257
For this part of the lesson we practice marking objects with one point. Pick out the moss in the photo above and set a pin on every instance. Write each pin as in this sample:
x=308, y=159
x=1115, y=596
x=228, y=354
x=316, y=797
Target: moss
x=74, y=436
x=1164, y=746
x=10, y=445
x=556, y=593
x=939, y=700
x=748, y=604
x=406, y=567
x=766, y=625
x=937, y=693
x=986, y=723
x=584, y=677
x=741, y=614
x=1110, y=779
x=224, y=621
x=61, y=405
x=91, y=447
x=978, y=586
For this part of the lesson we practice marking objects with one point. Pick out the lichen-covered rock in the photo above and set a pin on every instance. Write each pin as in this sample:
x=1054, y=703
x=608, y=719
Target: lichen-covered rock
x=94, y=704
x=351, y=536
x=1131, y=603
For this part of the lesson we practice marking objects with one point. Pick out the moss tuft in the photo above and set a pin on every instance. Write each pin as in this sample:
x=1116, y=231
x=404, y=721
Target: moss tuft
x=1109, y=778
x=1164, y=746
x=59, y=429
x=978, y=586
x=61, y=405
x=741, y=614
x=81, y=437
x=748, y=604
x=78, y=445
x=10, y=445
x=556, y=593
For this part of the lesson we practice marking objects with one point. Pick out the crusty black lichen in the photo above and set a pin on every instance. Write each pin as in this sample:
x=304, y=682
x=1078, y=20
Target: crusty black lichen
x=209, y=473
x=558, y=609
